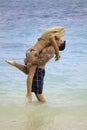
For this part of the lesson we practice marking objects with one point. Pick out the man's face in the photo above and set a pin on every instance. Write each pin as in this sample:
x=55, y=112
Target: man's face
x=59, y=42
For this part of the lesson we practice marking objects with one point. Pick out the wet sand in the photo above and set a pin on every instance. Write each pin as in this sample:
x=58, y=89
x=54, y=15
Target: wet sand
x=38, y=116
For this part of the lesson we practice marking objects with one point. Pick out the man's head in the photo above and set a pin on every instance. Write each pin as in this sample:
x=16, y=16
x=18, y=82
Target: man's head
x=62, y=46
x=61, y=43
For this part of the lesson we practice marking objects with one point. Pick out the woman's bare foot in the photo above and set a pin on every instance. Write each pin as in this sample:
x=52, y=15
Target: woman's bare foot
x=11, y=62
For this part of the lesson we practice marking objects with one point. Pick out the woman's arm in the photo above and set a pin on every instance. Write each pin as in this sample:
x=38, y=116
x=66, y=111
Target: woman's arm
x=54, y=44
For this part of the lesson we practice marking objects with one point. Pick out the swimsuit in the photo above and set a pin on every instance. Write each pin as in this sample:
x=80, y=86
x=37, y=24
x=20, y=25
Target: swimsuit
x=38, y=79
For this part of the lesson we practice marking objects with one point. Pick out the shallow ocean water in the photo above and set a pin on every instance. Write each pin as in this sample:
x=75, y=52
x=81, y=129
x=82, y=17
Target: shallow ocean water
x=65, y=83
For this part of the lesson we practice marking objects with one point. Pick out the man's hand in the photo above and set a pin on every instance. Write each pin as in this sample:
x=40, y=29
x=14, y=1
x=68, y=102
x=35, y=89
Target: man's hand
x=57, y=58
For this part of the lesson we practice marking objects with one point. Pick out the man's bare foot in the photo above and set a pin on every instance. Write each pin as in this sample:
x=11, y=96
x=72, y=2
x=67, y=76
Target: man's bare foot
x=29, y=97
x=11, y=62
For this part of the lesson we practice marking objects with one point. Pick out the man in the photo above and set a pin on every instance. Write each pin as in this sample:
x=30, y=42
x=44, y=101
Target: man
x=46, y=54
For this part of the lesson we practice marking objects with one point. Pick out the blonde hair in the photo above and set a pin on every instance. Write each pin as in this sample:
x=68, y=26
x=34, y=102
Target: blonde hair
x=57, y=31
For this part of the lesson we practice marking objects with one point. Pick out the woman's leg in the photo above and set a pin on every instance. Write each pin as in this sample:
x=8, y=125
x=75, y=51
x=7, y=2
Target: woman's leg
x=19, y=66
x=30, y=82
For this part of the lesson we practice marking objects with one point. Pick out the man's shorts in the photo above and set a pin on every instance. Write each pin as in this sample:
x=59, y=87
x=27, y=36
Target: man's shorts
x=38, y=79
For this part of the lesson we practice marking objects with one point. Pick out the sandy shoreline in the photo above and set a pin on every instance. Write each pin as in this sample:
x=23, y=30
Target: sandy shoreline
x=41, y=117
x=57, y=123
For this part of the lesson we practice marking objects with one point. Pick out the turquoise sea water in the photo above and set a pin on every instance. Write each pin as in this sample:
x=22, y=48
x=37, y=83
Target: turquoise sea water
x=65, y=84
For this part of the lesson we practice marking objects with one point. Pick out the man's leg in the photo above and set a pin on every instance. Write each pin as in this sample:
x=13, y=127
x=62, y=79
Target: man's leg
x=40, y=98
x=19, y=66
